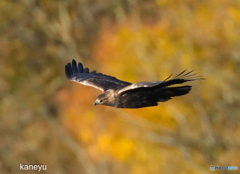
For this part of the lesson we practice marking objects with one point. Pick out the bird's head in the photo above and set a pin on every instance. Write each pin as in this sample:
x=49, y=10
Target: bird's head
x=106, y=98
x=99, y=101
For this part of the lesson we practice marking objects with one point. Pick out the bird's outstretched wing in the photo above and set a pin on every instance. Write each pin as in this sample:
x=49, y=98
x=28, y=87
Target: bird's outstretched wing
x=180, y=78
x=94, y=79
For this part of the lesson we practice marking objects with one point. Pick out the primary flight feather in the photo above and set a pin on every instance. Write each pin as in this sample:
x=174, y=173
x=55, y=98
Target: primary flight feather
x=121, y=94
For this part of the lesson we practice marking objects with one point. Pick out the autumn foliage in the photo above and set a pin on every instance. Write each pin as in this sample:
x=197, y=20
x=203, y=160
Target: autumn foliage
x=46, y=119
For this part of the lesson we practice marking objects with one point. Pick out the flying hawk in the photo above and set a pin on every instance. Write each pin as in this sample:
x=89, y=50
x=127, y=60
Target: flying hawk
x=121, y=94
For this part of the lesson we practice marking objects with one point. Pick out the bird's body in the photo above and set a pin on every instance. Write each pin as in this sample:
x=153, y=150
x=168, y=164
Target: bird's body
x=121, y=94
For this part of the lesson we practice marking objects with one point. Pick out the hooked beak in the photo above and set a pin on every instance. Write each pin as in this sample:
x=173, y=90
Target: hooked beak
x=96, y=102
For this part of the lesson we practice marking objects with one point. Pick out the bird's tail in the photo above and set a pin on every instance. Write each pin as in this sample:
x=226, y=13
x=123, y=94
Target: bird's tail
x=169, y=92
x=177, y=91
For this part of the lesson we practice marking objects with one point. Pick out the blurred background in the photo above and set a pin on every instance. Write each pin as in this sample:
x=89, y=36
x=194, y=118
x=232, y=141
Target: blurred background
x=46, y=119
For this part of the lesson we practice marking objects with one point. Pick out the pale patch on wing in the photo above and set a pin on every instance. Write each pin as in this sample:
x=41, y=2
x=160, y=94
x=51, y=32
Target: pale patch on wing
x=88, y=84
x=139, y=85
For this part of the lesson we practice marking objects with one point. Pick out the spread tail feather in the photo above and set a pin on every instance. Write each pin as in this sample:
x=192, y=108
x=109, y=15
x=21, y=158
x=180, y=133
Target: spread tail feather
x=169, y=92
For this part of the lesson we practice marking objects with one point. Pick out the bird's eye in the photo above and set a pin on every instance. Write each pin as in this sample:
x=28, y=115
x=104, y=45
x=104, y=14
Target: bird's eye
x=103, y=100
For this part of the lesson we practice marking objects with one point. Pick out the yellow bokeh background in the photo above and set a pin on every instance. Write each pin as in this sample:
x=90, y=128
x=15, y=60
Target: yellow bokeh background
x=46, y=119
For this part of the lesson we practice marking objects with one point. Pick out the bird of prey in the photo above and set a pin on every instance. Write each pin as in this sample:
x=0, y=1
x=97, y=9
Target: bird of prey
x=122, y=94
